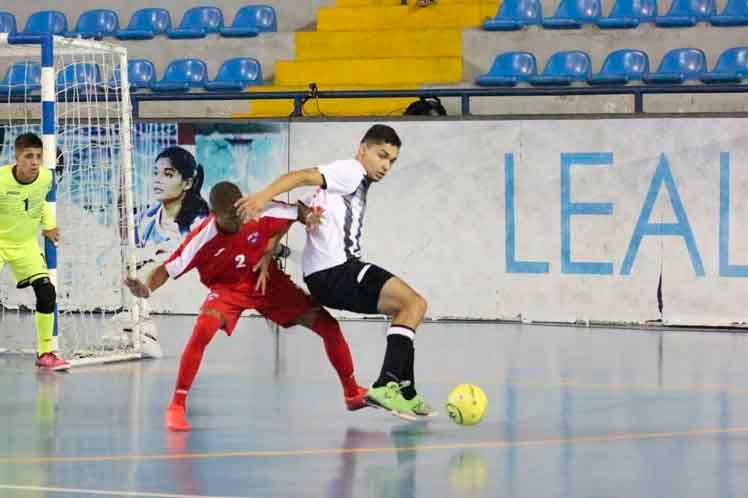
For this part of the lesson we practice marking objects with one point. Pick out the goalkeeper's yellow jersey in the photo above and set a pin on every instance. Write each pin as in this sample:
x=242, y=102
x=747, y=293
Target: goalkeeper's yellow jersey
x=23, y=207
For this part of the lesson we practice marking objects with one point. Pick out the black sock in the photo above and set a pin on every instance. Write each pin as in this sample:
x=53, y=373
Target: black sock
x=409, y=392
x=395, y=359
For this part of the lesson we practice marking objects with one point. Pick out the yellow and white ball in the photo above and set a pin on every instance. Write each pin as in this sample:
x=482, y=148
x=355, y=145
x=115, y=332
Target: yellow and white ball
x=466, y=404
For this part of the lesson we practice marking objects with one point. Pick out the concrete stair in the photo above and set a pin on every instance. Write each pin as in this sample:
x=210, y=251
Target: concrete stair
x=374, y=44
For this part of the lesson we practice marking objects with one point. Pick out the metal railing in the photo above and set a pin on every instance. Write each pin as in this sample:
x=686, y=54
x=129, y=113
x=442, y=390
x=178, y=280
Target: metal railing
x=464, y=94
x=637, y=92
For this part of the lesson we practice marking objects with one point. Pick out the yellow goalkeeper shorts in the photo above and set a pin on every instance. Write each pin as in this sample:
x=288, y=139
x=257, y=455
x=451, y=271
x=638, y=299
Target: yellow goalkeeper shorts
x=26, y=262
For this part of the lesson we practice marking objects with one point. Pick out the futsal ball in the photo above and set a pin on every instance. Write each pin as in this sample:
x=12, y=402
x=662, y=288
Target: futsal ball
x=466, y=404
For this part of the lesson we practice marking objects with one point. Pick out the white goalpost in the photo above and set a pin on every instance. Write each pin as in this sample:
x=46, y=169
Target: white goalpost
x=69, y=92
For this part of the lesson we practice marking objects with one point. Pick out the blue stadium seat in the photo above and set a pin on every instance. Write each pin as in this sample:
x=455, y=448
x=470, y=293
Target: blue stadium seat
x=236, y=74
x=198, y=22
x=7, y=22
x=629, y=14
x=146, y=24
x=508, y=69
x=141, y=73
x=47, y=21
x=96, y=24
x=80, y=77
x=181, y=75
x=563, y=68
x=677, y=66
x=686, y=13
x=514, y=15
x=251, y=21
x=735, y=14
x=731, y=67
x=621, y=67
x=572, y=14
x=22, y=77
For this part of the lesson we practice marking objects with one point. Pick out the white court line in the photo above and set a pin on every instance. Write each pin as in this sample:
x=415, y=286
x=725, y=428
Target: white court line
x=107, y=492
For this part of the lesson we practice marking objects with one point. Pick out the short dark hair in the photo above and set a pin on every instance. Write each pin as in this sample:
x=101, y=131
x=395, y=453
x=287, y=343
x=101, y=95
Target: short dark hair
x=223, y=195
x=382, y=134
x=28, y=141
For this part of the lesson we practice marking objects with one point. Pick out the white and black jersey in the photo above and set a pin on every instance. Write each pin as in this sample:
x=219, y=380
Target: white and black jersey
x=333, y=270
x=343, y=198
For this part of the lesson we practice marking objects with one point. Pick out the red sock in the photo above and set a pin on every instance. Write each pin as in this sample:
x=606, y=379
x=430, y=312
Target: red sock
x=206, y=327
x=337, y=351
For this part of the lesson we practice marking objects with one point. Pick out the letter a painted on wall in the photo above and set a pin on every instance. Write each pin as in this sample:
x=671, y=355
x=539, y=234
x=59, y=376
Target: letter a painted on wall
x=681, y=228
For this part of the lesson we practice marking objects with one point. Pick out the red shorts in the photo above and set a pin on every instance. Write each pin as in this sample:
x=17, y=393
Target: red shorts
x=283, y=302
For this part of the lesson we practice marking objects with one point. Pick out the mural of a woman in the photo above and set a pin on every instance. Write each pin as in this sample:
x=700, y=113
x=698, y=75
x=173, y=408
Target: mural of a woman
x=178, y=206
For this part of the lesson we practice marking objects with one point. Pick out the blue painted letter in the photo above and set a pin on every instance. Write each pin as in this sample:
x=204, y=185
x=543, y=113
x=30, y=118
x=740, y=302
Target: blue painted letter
x=512, y=265
x=644, y=227
x=568, y=209
x=725, y=268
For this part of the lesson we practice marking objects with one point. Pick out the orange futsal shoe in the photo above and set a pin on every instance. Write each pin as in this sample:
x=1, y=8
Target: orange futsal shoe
x=175, y=418
x=357, y=401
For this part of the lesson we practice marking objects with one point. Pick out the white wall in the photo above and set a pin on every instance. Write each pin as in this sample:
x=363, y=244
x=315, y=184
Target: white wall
x=439, y=219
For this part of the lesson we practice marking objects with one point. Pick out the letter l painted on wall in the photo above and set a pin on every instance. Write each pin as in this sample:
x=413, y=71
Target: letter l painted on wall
x=512, y=264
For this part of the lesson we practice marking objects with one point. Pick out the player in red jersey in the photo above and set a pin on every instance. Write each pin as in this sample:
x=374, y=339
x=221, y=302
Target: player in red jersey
x=232, y=261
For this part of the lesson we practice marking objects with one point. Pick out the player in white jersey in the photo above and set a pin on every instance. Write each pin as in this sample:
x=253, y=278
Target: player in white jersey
x=333, y=270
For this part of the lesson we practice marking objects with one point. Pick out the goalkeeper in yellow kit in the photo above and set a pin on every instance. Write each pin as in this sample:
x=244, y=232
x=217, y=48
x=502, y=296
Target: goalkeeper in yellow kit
x=23, y=207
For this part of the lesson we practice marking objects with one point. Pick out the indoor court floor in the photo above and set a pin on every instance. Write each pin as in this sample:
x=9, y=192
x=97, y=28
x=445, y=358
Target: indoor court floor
x=573, y=412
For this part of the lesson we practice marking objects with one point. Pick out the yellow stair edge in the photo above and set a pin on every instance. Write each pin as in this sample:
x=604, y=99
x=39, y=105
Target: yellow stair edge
x=311, y=45
x=390, y=3
x=328, y=88
x=388, y=71
x=328, y=107
x=402, y=17
x=397, y=3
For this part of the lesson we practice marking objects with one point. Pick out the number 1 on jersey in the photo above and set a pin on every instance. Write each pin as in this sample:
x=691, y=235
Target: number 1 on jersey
x=26, y=204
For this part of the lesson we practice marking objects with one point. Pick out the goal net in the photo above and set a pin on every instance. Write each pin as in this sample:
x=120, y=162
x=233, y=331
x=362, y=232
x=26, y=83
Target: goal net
x=69, y=92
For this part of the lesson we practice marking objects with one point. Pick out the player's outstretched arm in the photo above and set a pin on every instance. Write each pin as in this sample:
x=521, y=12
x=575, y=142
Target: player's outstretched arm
x=252, y=205
x=155, y=279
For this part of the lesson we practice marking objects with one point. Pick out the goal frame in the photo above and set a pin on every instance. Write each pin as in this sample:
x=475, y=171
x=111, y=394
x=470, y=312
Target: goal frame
x=48, y=45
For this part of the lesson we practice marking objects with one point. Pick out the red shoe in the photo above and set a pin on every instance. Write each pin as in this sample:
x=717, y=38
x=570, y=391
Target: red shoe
x=357, y=401
x=50, y=361
x=175, y=418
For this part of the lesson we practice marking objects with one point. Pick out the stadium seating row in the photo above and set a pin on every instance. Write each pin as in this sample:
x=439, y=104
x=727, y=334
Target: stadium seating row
x=573, y=14
x=180, y=76
x=562, y=68
x=146, y=24
x=619, y=68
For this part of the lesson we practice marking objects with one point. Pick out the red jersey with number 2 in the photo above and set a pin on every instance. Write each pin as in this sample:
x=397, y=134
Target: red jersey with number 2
x=226, y=259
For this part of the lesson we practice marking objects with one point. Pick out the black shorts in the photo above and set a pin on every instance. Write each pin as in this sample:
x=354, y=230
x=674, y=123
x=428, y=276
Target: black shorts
x=353, y=286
